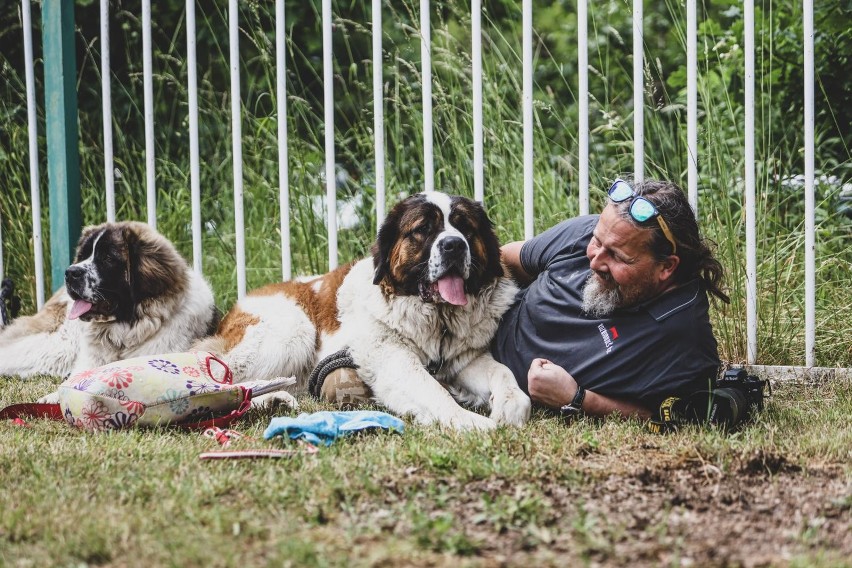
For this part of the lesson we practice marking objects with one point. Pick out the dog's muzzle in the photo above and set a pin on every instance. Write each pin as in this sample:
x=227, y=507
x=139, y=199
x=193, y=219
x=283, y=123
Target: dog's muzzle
x=449, y=267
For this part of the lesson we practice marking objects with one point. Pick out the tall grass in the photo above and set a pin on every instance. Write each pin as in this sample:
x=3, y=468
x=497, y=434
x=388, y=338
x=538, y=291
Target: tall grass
x=780, y=210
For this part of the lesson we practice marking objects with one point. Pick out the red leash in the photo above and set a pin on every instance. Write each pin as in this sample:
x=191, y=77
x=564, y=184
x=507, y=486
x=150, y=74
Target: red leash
x=36, y=410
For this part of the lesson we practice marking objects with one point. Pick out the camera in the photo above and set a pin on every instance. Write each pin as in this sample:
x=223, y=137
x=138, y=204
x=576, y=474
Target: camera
x=735, y=397
x=731, y=400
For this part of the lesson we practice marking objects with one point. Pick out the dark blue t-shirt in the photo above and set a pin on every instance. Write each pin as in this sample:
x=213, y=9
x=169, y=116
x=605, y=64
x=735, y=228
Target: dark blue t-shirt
x=646, y=353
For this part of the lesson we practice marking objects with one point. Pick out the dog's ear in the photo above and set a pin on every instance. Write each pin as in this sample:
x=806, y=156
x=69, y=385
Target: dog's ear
x=388, y=235
x=493, y=268
x=154, y=266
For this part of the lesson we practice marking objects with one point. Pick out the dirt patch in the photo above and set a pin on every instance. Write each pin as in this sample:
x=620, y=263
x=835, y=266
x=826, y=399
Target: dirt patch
x=766, y=512
x=761, y=511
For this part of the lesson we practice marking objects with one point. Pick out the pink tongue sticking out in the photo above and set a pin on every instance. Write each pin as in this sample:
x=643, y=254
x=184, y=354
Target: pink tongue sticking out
x=451, y=289
x=79, y=308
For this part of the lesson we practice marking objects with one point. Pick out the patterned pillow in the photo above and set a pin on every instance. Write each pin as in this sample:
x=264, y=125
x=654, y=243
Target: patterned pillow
x=187, y=389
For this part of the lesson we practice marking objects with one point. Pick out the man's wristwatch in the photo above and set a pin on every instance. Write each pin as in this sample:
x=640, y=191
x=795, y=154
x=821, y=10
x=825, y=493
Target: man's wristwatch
x=575, y=407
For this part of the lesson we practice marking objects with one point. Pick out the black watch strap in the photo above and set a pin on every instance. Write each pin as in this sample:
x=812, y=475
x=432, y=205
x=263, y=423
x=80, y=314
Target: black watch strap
x=574, y=407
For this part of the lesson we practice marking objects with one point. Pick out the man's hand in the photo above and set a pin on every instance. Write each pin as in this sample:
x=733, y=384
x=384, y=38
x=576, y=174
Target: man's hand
x=549, y=384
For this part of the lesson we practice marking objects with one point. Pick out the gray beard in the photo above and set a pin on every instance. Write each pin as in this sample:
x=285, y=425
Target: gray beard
x=599, y=302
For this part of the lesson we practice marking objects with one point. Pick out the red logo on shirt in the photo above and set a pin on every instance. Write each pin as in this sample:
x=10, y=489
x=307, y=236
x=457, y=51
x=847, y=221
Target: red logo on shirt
x=614, y=333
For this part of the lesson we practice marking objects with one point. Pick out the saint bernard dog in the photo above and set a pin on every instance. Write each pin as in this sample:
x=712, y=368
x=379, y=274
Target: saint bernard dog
x=129, y=293
x=417, y=319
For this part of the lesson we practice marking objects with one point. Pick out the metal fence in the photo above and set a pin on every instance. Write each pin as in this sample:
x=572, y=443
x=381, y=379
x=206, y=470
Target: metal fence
x=55, y=21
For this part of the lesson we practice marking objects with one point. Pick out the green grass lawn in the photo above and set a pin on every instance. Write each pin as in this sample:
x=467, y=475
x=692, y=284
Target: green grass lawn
x=779, y=492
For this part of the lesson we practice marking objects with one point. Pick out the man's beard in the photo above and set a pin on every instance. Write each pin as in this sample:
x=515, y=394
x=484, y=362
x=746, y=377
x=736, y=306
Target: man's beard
x=600, y=301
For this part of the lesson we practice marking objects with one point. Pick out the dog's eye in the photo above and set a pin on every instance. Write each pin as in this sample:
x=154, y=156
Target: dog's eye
x=420, y=231
x=113, y=260
x=465, y=229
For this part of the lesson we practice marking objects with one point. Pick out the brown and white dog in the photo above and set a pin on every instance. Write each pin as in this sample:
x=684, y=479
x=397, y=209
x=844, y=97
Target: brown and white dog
x=417, y=318
x=129, y=293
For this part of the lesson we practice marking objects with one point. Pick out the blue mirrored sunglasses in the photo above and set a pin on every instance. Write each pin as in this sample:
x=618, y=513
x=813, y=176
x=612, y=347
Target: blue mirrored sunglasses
x=640, y=208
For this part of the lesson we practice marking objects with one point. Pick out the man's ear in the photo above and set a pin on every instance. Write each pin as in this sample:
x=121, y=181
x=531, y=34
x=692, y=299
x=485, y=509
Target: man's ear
x=669, y=267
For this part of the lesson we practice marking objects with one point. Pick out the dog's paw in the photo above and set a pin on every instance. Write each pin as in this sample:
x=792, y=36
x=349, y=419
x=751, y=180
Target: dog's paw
x=511, y=407
x=467, y=420
x=52, y=398
x=274, y=399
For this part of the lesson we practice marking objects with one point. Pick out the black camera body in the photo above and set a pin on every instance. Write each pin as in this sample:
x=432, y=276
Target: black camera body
x=732, y=400
x=736, y=397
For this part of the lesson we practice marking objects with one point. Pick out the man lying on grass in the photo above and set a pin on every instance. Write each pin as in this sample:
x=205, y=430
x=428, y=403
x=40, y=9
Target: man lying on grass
x=613, y=316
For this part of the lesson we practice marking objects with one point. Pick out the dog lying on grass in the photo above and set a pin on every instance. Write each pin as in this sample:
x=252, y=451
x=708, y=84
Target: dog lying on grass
x=417, y=318
x=128, y=293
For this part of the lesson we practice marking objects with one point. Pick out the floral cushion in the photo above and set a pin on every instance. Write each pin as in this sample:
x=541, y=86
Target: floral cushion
x=177, y=388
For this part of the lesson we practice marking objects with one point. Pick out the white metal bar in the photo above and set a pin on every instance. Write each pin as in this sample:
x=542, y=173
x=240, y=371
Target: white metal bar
x=583, y=94
x=378, y=113
x=692, y=103
x=751, y=238
x=32, y=127
x=283, y=153
x=476, y=52
x=638, y=94
x=148, y=85
x=426, y=58
x=529, y=225
x=194, y=161
x=328, y=83
x=236, y=142
x=810, y=252
x=106, y=97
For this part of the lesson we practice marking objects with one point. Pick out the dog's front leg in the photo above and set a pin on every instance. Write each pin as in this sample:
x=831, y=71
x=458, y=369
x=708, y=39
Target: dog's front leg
x=401, y=383
x=489, y=380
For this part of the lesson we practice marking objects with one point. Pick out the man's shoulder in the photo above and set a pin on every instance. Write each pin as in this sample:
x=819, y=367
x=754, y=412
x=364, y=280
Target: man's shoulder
x=566, y=233
x=566, y=239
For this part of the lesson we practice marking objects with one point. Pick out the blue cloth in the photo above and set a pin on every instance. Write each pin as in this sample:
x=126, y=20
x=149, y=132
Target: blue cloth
x=325, y=427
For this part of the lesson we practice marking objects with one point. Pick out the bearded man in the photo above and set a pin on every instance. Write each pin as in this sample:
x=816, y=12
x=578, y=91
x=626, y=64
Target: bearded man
x=613, y=317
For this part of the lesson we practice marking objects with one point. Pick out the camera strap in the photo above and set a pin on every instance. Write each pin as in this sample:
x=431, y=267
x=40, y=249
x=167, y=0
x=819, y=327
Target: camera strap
x=665, y=420
x=719, y=407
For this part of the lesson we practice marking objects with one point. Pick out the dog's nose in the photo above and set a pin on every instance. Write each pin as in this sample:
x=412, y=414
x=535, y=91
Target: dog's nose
x=74, y=273
x=452, y=245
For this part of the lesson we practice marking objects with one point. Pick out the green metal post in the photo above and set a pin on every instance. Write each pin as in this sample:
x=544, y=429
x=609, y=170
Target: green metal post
x=63, y=155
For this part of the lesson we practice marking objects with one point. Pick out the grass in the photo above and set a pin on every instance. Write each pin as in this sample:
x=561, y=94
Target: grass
x=601, y=492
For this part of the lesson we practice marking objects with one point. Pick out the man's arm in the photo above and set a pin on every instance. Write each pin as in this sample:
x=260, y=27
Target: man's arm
x=510, y=253
x=551, y=385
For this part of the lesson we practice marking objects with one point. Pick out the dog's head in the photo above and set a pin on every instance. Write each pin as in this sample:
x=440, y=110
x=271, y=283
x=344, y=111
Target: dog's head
x=437, y=246
x=119, y=265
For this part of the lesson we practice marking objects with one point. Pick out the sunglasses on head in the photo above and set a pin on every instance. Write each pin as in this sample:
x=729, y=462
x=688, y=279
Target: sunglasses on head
x=640, y=208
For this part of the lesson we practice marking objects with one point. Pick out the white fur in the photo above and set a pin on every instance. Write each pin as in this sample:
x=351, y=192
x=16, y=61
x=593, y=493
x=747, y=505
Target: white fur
x=393, y=340
x=282, y=343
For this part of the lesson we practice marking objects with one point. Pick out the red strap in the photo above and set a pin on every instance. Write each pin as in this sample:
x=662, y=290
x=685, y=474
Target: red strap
x=32, y=409
x=226, y=420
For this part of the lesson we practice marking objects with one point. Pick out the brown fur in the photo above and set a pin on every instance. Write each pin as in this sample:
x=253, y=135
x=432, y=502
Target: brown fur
x=319, y=305
x=232, y=329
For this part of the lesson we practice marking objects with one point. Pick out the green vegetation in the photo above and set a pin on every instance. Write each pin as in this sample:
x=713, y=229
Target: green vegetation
x=602, y=493
x=780, y=203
